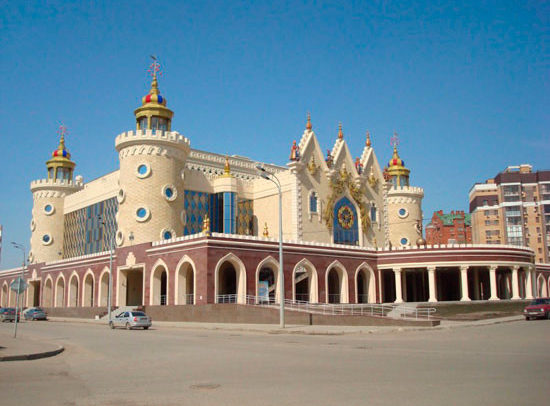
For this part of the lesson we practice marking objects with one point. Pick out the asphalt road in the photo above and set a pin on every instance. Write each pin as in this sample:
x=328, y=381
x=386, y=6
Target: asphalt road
x=502, y=364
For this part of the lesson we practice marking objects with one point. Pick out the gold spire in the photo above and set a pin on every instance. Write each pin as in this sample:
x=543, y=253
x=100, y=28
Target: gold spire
x=226, y=168
x=308, y=125
x=340, y=133
x=368, y=143
x=154, y=85
x=266, y=231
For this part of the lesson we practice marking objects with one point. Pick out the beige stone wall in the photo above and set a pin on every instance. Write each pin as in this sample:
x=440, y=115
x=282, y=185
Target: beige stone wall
x=48, y=192
x=98, y=190
x=404, y=225
x=165, y=160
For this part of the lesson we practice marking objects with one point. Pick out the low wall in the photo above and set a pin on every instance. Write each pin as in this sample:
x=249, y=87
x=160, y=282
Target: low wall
x=234, y=313
x=239, y=314
x=77, y=312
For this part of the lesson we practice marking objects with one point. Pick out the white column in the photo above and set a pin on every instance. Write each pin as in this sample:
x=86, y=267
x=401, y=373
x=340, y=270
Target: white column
x=493, y=278
x=464, y=283
x=398, y=291
x=528, y=284
x=431, y=284
x=515, y=283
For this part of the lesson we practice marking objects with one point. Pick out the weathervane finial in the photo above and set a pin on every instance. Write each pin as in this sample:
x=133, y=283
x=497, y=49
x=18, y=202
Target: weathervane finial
x=62, y=131
x=394, y=142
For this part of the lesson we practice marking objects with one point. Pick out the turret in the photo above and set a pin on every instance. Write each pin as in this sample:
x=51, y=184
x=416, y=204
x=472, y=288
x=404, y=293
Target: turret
x=152, y=159
x=404, y=204
x=47, y=223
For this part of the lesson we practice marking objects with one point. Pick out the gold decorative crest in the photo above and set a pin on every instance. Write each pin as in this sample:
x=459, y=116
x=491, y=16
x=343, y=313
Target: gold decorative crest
x=338, y=186
x=312, y=166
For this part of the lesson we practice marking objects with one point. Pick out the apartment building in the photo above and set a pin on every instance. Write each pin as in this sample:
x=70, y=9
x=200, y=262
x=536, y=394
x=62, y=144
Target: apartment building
x=513, y=208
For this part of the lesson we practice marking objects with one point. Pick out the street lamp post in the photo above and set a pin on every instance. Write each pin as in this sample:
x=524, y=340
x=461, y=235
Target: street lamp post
x=110, y=287
x=270, y=176
x=21, y=278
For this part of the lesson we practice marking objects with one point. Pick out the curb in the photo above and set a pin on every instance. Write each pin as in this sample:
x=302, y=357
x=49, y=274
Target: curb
x=30, y=357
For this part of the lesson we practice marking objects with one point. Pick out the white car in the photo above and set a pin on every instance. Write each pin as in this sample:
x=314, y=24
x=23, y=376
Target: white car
x=130, y=320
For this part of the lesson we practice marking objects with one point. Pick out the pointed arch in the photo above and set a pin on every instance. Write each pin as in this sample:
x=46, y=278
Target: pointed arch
x=240, y=277
x=367, y=286
x=60, y=291
x=103, y=290
x=346, y=223
x=5, y=293
x=158, y=283
x=269, y=263
x=88, y=289
x=74, y=284
x=47, y=293
x=185, y=281
x=336, y=278
x=310, y=288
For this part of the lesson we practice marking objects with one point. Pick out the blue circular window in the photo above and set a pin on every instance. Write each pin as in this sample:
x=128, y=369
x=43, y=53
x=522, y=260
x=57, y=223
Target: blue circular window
x=141, y=212
x=142, y=169
x=48, y=208
x=46, y=238
x=169, y=192
x=404, y=241
x=167, y=235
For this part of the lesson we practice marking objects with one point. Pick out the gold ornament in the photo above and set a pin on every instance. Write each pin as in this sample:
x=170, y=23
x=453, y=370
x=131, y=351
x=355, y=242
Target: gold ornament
x=266, y=231
x=206, y=225
x=373, y=181
x=312, y=166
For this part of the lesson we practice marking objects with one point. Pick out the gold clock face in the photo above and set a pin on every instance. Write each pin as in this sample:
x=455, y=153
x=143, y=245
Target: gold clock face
x=346, y=217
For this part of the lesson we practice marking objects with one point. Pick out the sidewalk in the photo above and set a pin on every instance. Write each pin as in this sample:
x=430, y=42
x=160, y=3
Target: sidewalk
x=22, y=348
x=25, y=349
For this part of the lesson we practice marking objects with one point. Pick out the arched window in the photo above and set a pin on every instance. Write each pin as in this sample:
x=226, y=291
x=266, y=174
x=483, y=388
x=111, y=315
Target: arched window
x=345, y=226
x=373, y=213
x=313, y=202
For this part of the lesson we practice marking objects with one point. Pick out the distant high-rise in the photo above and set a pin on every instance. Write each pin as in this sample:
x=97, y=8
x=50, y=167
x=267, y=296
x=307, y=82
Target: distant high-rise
x=513, y=208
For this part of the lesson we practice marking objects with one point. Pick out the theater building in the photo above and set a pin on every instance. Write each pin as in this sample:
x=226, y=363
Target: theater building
x=189, y=227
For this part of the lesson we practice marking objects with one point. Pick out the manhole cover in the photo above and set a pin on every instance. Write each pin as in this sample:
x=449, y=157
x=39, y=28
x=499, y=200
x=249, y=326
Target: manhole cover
x=205, y=386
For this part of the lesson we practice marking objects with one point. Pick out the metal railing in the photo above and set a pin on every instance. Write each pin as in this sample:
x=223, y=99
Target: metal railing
x=338, y=309
x=163, y=300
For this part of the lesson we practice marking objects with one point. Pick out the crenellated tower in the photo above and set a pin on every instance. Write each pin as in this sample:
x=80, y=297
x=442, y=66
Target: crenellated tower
x=404, y=204
x=151, y=177
x=47, y=223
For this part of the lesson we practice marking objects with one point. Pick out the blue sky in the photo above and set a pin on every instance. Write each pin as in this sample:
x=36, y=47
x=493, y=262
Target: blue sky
x=465, y=85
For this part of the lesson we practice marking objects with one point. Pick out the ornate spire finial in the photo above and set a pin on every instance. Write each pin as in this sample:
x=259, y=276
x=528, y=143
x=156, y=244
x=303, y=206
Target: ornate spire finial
x=340, y=133
x=226, y=168
x=394, y=141
x=62, y=131
x=266, y=231
x=308, y=125
x=154, y=68
x=368, y=143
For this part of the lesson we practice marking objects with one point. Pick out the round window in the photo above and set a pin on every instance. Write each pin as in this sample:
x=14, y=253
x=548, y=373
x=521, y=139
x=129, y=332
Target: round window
x=142, y=214
x=402, y=212
x=47, y=239
x=48, y=209
x=143, y=170
x=169, y=192
x=121, y=195
x=167, y=235
x=404, y=241
x=119, y=238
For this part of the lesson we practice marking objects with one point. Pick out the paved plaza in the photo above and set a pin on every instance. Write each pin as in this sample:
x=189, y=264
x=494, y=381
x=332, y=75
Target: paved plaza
x=499, y=364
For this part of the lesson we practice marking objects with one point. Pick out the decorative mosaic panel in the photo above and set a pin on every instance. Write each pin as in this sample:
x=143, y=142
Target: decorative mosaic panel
x=196, y=206
x=90, y=229
x=245, y=217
